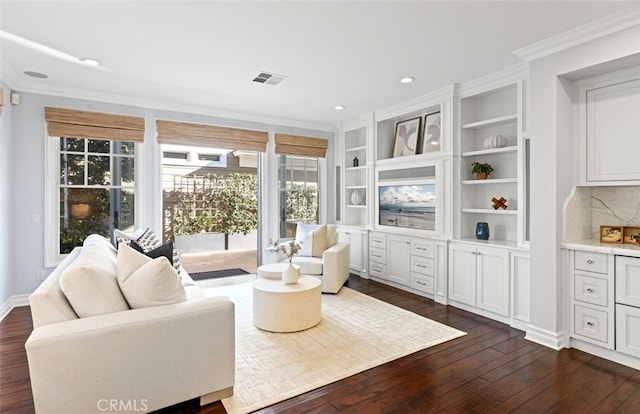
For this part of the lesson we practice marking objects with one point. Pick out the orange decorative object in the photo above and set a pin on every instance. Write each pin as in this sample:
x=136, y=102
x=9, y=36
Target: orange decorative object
x=499, y=203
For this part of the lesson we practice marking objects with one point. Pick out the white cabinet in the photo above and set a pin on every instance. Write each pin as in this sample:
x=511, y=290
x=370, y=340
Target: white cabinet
x=399, y=259
x=628, y=305
x=608, y=128
x=592, y=298
x=479, y=277
x=378, y=255
x=357, y=240
x=520, y=290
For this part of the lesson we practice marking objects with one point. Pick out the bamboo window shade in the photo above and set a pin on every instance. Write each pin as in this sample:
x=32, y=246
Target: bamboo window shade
x=199, y=135
x=93, y=125
x=299, y=145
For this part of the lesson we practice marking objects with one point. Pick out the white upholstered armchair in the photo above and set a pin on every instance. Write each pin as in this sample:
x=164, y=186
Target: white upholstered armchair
x=321, y=255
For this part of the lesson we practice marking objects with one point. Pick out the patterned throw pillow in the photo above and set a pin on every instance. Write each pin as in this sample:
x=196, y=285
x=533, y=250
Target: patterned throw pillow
x=148, y=241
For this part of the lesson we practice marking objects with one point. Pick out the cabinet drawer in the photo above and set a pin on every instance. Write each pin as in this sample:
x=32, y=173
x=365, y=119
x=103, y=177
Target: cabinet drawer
x=591, y=262
x=378, y=240
x=378, y=255
x=377, y=270
x=422, y=248
x=591, y=323
x=422, y=283
x=422, y=265
x=591, y=289
x=628, y=330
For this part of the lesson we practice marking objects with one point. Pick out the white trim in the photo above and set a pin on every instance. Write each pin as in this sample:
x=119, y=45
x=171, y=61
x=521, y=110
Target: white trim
x=605, y=26
x=553, y=340
x=13, y=302
x=605, y=353
x=505, y=77
x=422, y=104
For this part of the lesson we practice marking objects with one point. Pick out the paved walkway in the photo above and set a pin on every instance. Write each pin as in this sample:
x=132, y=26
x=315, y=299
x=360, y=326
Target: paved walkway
x=220, y=260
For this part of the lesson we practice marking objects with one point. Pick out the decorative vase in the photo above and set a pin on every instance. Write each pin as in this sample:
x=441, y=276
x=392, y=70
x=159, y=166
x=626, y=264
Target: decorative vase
x=482, y=231
x=481, y=176
x=495, y=141
x=291, y=274
x=356, y=198
x=356, y=162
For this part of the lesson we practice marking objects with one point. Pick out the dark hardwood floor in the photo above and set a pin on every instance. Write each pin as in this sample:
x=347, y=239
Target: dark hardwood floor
x=492, y=369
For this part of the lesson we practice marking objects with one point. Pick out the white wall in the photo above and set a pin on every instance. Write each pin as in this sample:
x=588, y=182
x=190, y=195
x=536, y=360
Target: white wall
x=6, y=207
x=29, y=169
x=552, y=171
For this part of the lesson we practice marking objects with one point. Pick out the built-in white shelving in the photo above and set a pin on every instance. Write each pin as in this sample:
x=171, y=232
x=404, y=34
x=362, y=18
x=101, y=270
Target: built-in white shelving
x=490, y=211
x=492, y=122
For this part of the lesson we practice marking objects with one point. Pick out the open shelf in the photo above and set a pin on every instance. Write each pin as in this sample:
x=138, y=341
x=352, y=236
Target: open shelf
x=356, y=206
x=490, y=151
x=490, y=211
x=490, y=181
x=356, y=187
x=360, y=167
x=354, y=149
x=486, y=123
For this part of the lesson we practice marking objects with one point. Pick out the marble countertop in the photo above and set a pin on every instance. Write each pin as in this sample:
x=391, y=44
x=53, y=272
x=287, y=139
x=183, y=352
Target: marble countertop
x=609, y=248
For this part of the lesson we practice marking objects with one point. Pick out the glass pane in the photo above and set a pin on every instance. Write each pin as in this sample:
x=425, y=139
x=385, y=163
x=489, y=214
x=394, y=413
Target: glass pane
x=72, y=144
x=124, y=202
x=83, y=211
x=127, y=148
x=126, y=173
x=99, y=146
x=71, y=169
x=99, y=170
x=302, y=206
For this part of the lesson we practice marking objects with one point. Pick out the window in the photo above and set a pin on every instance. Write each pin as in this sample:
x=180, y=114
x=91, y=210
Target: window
x=190, y=156
x=96, y=189
x=299, y=190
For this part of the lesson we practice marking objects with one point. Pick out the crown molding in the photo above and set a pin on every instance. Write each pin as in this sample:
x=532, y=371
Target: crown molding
x=605, y=26
x=494, y=80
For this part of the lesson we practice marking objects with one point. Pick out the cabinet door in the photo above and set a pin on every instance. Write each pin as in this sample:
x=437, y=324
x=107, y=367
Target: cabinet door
x=520, y=276
x=398, y=259
x=628, y=330
x=613, y=127
x=628, y=280
x=493, y=280
x=462, y=273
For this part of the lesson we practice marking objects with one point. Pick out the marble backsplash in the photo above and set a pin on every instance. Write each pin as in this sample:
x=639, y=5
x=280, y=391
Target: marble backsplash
x=590, y=207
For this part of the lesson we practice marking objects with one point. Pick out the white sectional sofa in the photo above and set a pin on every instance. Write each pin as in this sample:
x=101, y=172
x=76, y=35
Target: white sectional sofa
x=135, y=360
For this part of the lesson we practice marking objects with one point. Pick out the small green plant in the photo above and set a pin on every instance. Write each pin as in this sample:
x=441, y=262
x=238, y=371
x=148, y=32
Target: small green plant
x=481, y=168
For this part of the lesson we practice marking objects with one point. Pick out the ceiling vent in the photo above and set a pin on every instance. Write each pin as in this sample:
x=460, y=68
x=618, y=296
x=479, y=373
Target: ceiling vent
x=269, y=78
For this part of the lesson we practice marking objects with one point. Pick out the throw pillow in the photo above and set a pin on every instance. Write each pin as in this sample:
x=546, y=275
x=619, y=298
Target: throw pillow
x=165, y=250
x=123, y=237
x=147, y=282
x=90, y=285
x=313, y=238
x=148, y=241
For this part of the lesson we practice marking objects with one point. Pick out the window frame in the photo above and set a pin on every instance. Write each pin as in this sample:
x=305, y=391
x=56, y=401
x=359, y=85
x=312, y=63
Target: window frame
x=52, y=255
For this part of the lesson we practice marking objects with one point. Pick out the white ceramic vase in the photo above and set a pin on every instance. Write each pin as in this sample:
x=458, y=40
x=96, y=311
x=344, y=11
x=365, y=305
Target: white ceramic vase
x=495, y=141
x=356, y=198
x=291, y=274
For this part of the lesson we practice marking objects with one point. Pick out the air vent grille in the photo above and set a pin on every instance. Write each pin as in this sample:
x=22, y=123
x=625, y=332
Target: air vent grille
x=269, y=78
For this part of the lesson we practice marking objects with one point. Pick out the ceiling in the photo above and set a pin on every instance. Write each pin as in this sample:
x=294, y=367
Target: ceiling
x=203, y=55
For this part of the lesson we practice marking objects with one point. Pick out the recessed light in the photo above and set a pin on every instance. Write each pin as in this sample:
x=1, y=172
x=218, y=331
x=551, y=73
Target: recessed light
x=339, y=107
x=407, y=79
x=90, y=61
x=35, y=74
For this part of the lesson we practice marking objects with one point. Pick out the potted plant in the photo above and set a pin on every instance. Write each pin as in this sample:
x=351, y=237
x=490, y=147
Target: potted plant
x=292, y=272
x=481, y=170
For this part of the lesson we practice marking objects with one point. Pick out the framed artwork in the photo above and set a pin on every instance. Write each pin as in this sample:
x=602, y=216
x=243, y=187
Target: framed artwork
x=406, y=137
x=431, y=133
x=631, y=235
x=610, y=234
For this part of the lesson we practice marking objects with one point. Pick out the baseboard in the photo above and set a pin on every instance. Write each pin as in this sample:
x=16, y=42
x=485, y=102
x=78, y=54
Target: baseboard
x=553, y=340
x=13, y=302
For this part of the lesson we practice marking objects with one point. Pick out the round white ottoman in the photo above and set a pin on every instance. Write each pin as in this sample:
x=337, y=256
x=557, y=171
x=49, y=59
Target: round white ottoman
x=287, y=308
x=271, y=271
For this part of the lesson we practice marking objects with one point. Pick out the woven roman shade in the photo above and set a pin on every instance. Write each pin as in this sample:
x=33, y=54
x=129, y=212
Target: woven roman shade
x=299, y=145
x=199, y=135
x=94, y=125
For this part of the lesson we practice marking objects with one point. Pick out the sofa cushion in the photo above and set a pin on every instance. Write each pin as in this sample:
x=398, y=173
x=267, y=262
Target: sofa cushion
x=313, y=238
x=96, y=239
x=308, y=265
x=89, y=283
x=165, y=250
x=332, y=237
x=147, y=282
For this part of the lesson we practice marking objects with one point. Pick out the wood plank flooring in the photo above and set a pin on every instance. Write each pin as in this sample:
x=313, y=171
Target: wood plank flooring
x=492, y=369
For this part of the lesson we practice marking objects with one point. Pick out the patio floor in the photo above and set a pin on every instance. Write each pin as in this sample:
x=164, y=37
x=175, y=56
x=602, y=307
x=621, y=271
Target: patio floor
x=221, y=260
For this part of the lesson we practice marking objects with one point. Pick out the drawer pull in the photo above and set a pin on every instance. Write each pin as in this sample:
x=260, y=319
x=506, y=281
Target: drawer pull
x=589, y=261
x=421, y=248
x=421, y=265
x=419, y=282
x=591, y=324
x=377, y=270
x=590, y=290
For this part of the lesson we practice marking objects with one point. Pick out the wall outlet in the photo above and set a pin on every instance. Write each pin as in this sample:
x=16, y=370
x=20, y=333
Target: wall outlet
x=40, y=275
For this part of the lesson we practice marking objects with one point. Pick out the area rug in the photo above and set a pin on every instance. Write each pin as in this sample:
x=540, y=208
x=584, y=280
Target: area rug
x=215, y=274
x=357, y=332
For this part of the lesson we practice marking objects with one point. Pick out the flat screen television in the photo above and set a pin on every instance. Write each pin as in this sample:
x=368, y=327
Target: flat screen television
x=407, y=205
